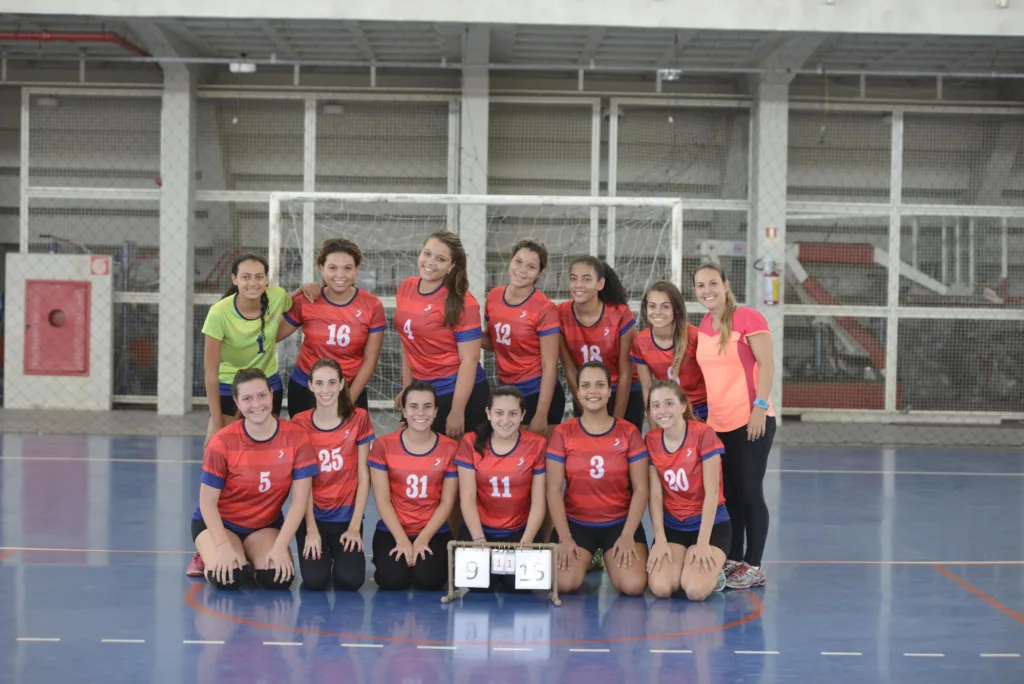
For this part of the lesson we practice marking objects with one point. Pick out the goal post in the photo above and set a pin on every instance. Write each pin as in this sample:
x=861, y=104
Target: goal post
x=390, y=229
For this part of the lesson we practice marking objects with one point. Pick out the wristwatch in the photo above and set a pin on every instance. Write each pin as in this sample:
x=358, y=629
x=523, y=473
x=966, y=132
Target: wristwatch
x=761, y=403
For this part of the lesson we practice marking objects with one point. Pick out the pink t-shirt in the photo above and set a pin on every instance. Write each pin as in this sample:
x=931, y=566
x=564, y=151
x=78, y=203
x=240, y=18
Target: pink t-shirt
x=731, y=375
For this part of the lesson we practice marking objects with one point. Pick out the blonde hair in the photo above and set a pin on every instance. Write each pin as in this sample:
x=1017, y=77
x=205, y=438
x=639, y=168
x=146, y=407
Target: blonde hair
x=676, y=390
x=725, y=323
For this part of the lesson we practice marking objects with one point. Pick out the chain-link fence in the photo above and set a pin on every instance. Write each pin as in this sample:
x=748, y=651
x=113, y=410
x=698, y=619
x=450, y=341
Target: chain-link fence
x=899, y=234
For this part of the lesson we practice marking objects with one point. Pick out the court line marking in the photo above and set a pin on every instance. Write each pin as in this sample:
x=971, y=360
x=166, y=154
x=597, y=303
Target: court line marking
x=282, y=643
x=756, y=652
x=122, y=641
x=1019, y=617
x=435, y=648
x=7, y=552
x=795, y=471
x=1000, y=655
x=924, y=655
x=590, y=650
x=841, y=653
x=757, y=610
x=203, y=642
x=363, y=645
x=511, y=649
x=49, y=640
x=669, y=650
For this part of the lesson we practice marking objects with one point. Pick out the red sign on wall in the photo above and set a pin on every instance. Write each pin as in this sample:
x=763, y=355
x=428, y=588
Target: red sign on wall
x=57, y=327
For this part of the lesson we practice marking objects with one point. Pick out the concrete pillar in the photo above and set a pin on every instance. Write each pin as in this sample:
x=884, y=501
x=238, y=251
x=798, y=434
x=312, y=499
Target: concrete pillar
x=473, y=149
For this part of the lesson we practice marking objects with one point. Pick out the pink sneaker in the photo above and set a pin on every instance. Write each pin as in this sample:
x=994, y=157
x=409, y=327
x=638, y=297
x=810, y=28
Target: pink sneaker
x=195, y=567
x=746, y=577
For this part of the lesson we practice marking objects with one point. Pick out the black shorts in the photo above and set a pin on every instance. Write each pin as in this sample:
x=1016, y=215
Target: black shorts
x=513, y=538
x=476, y=408
x=721, y=536
x=300, y=399
x=556, y=411
x=603, y=537
x=228, y=407
x=635, y=412
x=199, y=525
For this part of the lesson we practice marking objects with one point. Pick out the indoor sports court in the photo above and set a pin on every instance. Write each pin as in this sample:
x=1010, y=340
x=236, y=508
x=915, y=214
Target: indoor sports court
x=858, y=178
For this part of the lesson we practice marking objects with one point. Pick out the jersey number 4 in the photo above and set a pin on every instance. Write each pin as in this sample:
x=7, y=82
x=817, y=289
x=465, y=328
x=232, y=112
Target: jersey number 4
x=331, y=460
x=338, y=335
x=417, y=488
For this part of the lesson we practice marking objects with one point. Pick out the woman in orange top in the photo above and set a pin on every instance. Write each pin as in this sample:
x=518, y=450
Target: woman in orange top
x=734, y=350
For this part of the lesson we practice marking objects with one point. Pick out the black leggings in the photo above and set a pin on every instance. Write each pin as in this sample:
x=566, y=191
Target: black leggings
x=336, y=567
x=743, y=467
x=476, y=408
x=430, y=574
x=300, y=399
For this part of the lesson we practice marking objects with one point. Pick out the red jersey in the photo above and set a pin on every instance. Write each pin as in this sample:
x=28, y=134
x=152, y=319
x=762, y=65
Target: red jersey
x=646, y=352
x=254, y=477
x=504, y=481
x=515, y=333
x=682, y=474
x=597, y=482
x=334, y=488
x=334, y=331
x=431, y=347
x=598, y=342
x=416, y=479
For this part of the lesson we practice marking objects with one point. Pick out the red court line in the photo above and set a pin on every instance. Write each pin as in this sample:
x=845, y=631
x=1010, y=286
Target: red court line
x=1019, y=617
x=757, y=609
x=5, y=554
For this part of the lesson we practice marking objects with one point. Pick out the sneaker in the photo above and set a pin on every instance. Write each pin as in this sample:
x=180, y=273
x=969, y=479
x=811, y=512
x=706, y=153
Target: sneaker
x=195, y=567
x=597, y=562
x=747, y=577
x=730, y=567
x=720, y=584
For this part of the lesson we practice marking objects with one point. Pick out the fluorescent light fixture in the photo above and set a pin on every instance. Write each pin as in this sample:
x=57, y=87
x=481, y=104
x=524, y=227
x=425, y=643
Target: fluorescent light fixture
x=670, y=74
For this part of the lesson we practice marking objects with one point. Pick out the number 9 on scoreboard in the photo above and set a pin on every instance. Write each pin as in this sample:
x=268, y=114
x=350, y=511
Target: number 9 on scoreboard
x=533, y=569
x=472, y=568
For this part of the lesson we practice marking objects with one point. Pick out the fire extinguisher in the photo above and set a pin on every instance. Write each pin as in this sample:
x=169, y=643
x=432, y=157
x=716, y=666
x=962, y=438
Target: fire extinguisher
x=771, y=283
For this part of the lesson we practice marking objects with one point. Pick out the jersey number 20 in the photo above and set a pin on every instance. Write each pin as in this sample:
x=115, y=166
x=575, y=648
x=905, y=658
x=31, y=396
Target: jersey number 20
x=676, y=480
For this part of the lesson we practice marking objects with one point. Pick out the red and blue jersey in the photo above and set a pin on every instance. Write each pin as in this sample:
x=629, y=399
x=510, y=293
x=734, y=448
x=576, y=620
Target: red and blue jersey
x=598, y=489
x=416, y=479
x=337, y=450
x=646, y=352
x=682, y=474
x=515, y=332
x=255, y=477
x=431, y=347
x=504, y=481
x=334, y=331
x=600, y=341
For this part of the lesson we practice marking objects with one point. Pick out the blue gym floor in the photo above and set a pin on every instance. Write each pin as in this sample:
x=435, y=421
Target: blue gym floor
x=883, y=566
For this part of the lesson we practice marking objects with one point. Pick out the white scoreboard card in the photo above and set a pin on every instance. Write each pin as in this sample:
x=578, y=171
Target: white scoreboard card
x=533, y=569
x=503, y=562
x=472, y=568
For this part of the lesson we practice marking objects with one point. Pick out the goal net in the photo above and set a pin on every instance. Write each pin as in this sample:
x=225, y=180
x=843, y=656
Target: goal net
x=642, y=237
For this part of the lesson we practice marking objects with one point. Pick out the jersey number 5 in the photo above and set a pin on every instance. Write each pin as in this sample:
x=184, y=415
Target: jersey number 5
x=264, y=481
x=417, y=488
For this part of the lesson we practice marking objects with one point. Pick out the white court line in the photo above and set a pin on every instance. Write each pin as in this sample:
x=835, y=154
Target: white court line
x=756, y=652
x=668, y=650
x=436, y=648
x=924, y=655
x=39, y=639
x=1000, y=655
x=363, y=645
x=509, y=649
x=590, y=650
x=122, y=641
x=282, y=643
x=841, y=653
x=201, y=642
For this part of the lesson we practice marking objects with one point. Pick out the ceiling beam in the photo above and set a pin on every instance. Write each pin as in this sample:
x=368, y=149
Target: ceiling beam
x=594, y=40
x=359, y=37
x=280, y=44
x=789, y=55
x=673, y=55
x=178, y=29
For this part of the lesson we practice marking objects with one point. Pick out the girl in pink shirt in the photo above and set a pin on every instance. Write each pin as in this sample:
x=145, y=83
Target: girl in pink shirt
x=734, y=351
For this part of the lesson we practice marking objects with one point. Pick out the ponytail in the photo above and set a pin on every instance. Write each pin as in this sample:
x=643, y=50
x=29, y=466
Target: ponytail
x=613, y=291
x=484, y=430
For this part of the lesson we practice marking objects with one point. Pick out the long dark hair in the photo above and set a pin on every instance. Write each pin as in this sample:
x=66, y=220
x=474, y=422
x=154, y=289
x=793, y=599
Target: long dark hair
x=484, y=430
x=346, y=407
x=264, y=299
x=613, y=291
x=680, y=395
x=457, y=279
x=247, y=375
x=680, y=322
x=415, y=386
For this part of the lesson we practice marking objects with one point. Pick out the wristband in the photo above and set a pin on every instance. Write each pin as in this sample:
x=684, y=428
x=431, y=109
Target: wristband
x=761, y=404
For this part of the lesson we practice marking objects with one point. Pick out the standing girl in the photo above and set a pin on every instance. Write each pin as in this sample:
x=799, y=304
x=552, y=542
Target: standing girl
x=249, y=469
x=438, y=321
x=691, y=524
x=601, y=462
x=667, y=346
x=415, y=484
x=522, y=330
x=342, y=323
x=734, y=350
x=330, y=539
x=501, y=477
x=597, y=325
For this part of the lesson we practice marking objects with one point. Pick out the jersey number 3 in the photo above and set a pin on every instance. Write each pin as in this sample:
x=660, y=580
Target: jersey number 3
x=597, y=467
